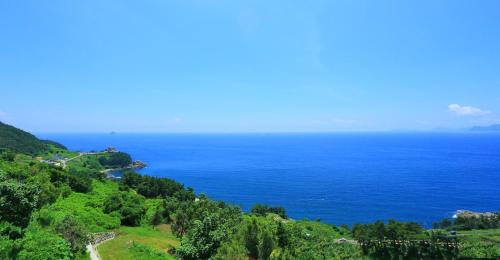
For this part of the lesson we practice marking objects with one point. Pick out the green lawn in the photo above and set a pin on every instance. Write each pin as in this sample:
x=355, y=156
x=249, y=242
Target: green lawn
x=88, y=161
x=480, y=232
x=480, y=243
x=139, y=243
x=487, y=235
x=63, y=153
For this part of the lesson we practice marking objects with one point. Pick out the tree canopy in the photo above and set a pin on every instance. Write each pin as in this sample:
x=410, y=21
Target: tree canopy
x=20, y=141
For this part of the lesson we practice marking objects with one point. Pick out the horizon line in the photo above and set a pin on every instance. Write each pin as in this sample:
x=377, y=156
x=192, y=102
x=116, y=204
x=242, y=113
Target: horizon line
x=462, y=131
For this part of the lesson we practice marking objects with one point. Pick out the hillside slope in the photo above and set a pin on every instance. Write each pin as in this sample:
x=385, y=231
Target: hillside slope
x=20, y=141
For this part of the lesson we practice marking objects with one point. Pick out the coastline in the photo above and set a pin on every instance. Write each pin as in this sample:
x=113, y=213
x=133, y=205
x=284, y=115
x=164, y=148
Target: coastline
x=324, y=176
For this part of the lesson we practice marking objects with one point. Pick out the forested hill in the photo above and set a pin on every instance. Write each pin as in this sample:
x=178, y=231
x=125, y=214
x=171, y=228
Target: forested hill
x=17, y=140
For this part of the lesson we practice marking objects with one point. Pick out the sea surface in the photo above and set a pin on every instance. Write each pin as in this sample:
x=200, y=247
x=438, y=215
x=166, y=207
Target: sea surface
x=337, y=178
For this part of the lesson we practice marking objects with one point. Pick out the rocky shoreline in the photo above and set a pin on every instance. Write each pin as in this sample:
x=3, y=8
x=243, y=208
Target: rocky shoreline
x=471, y=214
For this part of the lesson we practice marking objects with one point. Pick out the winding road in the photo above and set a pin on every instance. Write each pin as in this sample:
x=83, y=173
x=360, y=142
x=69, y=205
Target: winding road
x=65, y=161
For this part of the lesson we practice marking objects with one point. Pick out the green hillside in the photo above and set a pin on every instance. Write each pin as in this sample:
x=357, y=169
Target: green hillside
x=20, y=141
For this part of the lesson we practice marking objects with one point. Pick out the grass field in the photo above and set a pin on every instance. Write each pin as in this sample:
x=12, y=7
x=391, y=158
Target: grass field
x=491, y=235
x=62, y=152
x=480, y=243
x=480, y=232
x=139, y=243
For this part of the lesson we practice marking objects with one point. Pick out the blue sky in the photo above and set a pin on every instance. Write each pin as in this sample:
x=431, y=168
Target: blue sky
x=249, y=66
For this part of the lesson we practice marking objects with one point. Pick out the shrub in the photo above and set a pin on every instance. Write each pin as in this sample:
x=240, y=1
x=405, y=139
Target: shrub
x=130, y=207
x=262, y=210
x=40, y=244
x=17, y=201
x=115, y=160
x=74, y=232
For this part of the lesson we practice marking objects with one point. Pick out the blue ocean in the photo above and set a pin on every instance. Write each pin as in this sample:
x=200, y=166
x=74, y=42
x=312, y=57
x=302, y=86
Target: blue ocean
x=337, y=178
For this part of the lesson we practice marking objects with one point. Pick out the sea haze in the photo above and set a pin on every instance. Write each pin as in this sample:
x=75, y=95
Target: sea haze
x=338, y=178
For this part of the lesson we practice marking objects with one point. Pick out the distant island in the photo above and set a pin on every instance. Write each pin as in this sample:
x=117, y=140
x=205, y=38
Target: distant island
x=490, y=128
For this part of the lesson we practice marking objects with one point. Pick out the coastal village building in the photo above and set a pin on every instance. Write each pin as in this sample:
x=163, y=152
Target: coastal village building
x=111, y=150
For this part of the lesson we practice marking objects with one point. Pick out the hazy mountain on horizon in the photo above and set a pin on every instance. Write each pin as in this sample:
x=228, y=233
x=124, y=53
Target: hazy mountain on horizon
x=490, y=128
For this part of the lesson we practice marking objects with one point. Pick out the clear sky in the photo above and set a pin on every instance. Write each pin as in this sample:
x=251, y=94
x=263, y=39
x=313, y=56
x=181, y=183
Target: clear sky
x=249, y=66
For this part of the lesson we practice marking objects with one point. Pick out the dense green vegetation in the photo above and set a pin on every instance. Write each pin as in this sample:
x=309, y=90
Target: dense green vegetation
x=54, y=144
x=47, y=212
x=115, y=160
x=150, y=187
x=403, y=239
x=20, y=141
x=262, y=210
x=470, y=222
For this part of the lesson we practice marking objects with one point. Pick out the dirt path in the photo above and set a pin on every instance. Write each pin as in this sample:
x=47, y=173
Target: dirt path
x=93, y=252
x=65, y=162
x=346, y=241
x=92, y=248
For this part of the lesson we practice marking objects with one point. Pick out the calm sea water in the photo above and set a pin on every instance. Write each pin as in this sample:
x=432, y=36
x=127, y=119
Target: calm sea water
x=338, y=178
